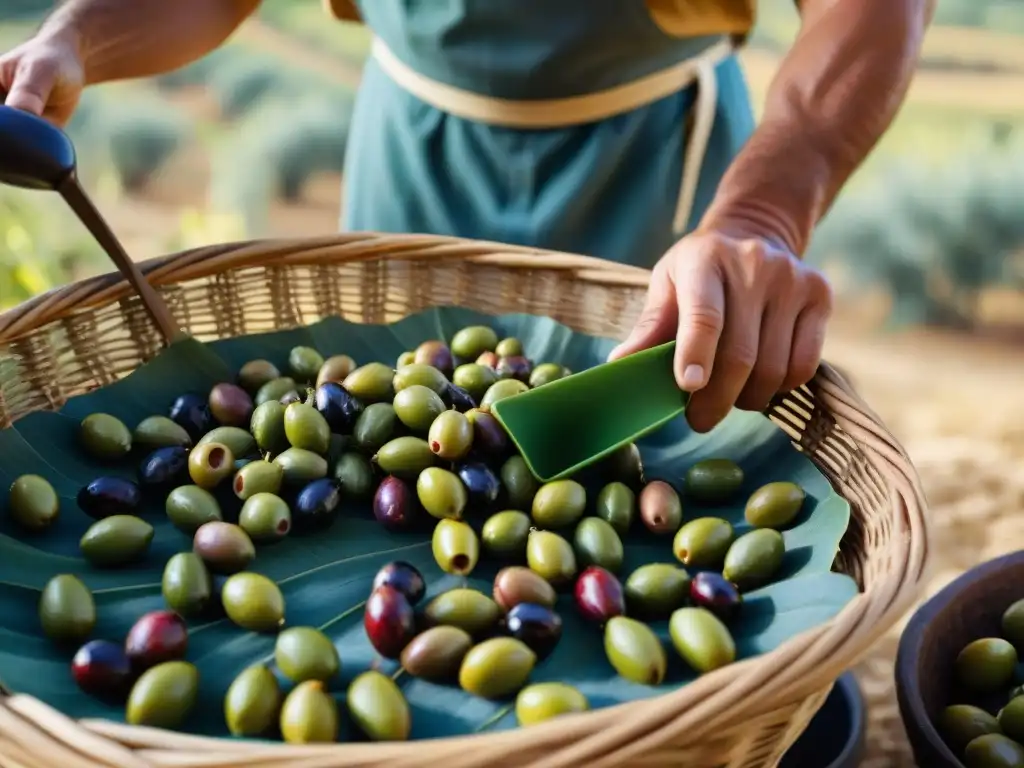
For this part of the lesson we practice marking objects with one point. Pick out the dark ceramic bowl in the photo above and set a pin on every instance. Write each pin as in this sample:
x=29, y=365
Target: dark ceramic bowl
x=835, y=736
x=967, y=609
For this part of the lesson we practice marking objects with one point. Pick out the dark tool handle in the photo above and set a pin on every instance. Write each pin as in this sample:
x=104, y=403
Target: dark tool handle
x=35, y=154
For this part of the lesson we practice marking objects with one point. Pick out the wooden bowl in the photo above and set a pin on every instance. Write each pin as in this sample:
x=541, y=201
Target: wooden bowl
x=967, y=609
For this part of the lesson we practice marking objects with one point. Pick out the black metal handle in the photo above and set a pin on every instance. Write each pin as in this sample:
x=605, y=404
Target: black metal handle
x=34, y=153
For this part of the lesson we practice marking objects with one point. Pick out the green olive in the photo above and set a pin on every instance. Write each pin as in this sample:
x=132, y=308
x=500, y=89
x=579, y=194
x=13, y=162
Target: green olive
x=559, y=504
x=240, y=441
x=474, y=378
x=754, y=558
x=301, y=466
x=160, y=432
x=701, y=639
x=67, y=610
x=703, y=543
x=501, y=390
x=519, y=482
x=116, y=540
x=306, y=653
x=335, y=369
x=306, y=428
x=378, y=707
x=267, y=427
x=309, y=715
x=774, y=505
x=355, y=473
x=550, y=556
x=993, y=750
x=1012, y=624
x=374, y=427
x=505, y=533
x=186, y=585
x=253, y=602
x=417, y=406
x=265, y=517
x=209, y=464
x=253, y=702
x=441, y=493
x=189, y=506
x=986, y=664
x=437, y=653
x=164, y=695
x=960, y=724
x=466, y=609
x=509, y=347
x=625, y=465
x=634, y=651
x=545, y=373
x=597, y=543
x=655, y=590
x=275, y=389
x=455, y=546
x=496, y=667
x=1011, y=719
x=34, y=504
x=105, y=437
x=713, y=481
x=543, y=701
x=450, y=436
x=371, y=383
x=258, y=477
x=406, y=358
x=471, y=341
x=418, y=374
x=405, y=457
x=304, y=364
x=616, y=505
x=255, y=373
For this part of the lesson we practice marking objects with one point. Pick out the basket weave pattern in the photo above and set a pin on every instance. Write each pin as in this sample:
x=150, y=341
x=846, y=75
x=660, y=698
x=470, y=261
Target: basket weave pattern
x=746, y=715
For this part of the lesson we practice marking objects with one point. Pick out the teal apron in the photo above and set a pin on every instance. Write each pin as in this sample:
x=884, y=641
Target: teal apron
x=606, y=188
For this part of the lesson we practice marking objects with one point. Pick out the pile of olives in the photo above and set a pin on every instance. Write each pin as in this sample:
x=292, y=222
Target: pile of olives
x=987, y=671
x=418, y=444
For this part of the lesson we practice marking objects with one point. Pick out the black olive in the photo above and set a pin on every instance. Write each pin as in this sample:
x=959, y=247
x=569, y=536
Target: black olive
x=459, y=399
x=164, y=467
x=481, y=483
x=338, y=407
x=108, y=496
x=191, y=412
x=539, y=627
x=316, y=505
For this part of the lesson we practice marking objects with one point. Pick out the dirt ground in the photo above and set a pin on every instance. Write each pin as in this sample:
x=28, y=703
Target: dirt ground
x=951, y=402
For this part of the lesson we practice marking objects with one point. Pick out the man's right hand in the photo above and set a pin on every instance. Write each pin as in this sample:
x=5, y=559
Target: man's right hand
x=43, y=76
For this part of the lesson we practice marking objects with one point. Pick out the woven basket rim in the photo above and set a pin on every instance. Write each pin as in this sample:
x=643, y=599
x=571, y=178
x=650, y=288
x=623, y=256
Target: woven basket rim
x=802, y=665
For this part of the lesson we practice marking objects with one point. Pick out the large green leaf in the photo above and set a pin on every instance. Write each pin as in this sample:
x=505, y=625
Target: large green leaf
x=326, y=578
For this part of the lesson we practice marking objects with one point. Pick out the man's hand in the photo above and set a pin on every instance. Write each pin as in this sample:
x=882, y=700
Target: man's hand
x=749, y=318
x=43, y=76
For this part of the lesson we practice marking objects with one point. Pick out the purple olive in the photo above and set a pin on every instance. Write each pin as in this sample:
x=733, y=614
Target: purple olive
x=394, y=504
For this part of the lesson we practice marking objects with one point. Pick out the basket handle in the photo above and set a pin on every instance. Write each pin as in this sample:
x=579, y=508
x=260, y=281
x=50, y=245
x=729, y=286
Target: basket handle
x=35, y=154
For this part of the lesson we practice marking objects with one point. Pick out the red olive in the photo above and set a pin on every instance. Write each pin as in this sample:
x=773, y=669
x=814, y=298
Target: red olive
x=436, y=354
x=599, y=595
x=389, y=621
x=514, y=367
x=157, y=637
x=231, y=405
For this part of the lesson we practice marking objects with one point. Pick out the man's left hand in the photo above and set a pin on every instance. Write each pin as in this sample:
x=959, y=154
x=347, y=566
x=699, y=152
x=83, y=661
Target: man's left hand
x=749, y=318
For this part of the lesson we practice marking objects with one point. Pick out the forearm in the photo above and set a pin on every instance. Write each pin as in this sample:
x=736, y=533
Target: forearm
x=119, y=39
x=835, y=94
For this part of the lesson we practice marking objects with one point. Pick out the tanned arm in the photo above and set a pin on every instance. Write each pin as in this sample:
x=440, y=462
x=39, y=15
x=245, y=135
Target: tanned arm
x=120, y=39
x=836, y=92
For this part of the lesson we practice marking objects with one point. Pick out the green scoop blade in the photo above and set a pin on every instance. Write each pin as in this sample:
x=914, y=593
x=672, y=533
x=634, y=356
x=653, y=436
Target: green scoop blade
x=570, y=423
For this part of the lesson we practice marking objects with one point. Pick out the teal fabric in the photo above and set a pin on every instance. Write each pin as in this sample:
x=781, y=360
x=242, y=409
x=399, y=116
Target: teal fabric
x=607, y=189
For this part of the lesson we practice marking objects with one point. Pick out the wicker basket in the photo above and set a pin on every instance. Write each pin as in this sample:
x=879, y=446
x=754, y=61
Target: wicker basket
x=91, y=333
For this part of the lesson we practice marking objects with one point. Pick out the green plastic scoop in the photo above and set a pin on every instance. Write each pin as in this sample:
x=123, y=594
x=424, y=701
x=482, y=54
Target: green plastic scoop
x=570, y=423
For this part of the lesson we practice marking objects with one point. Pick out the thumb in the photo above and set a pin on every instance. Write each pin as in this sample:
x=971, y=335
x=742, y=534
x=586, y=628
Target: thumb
x=657, y=321
x=701, y=303
x=31, y=85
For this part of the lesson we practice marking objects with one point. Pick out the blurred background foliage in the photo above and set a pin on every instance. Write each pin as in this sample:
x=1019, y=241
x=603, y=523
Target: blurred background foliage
x=250, y=142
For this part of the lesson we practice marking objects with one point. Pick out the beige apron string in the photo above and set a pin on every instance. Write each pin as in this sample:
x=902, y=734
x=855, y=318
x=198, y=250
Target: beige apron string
x=705, y=108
